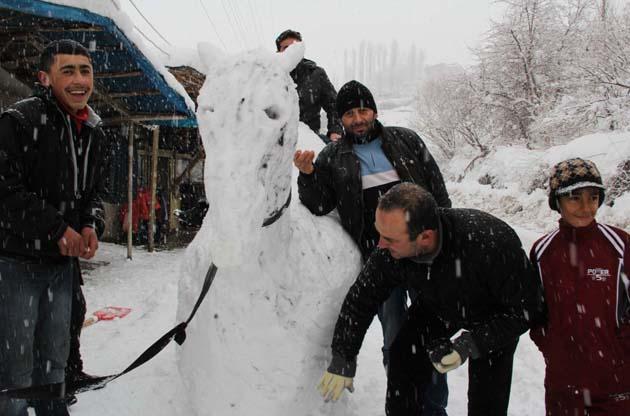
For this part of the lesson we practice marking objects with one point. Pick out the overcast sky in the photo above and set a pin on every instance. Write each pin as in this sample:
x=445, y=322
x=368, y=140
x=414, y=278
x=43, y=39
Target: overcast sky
x=443, y=29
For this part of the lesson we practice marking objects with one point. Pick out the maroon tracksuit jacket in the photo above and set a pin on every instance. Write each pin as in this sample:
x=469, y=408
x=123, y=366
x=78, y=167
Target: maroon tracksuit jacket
x=586, y=342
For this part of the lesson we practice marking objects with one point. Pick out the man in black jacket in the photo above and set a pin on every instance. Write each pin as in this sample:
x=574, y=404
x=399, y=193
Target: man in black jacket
x=352, y=174
x=315, y=91
x=470, y=273
x=52, y=172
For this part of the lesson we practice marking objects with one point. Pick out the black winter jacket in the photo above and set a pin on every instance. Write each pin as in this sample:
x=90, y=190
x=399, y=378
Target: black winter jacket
x=49, y=178
x=315, y=92
x=336, y=180
x=481, y=280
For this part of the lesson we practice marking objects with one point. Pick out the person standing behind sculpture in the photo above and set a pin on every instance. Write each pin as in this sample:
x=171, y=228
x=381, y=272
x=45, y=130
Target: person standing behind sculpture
x=315, y=91
x=351, y=174
x=584, y=266
x=53, y=162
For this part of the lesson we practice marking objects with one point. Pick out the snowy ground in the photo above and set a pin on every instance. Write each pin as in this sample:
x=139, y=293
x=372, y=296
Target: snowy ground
x=148, y=284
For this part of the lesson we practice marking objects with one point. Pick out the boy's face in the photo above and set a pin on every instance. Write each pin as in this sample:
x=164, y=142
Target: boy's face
x=72, y=80
x=580, y=206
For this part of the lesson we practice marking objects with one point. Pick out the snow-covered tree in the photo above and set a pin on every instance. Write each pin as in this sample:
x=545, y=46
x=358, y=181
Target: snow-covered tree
x=449, y=112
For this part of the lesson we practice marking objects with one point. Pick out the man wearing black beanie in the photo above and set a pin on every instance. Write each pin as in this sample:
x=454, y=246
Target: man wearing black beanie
x=351, y=174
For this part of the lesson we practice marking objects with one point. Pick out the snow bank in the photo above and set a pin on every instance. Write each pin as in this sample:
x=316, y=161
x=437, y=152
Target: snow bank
x=512, y=181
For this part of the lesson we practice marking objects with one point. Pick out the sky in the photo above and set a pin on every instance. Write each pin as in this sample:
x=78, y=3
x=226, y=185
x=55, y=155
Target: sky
x=443, y=29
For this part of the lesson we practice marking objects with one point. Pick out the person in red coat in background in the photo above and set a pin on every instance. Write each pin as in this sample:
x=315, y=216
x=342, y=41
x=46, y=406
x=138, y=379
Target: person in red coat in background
x=140, y=215
x=584, y=267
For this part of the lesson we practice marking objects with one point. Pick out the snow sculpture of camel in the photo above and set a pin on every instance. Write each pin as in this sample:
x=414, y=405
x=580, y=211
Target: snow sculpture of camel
x=270, y=313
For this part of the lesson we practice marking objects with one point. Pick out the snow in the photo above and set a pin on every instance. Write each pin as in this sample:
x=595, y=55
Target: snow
x=260, y=341
x=215, y=367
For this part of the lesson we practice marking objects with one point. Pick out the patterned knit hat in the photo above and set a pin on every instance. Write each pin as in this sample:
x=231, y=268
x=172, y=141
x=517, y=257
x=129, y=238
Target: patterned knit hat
x=572, y=174
x=353, y=94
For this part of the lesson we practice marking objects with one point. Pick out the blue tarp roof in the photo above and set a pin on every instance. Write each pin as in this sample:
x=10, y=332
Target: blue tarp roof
x=126, y=81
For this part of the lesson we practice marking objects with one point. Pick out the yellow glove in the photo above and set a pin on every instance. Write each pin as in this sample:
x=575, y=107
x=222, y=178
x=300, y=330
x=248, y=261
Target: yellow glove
x=332, y=385
x=449, y=362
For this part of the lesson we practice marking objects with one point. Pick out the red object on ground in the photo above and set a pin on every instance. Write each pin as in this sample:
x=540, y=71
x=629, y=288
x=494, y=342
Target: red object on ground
x=107, y=314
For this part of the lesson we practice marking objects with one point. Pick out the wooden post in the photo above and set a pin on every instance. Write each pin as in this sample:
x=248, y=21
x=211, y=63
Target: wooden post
x=154, y=163
x=130, y=194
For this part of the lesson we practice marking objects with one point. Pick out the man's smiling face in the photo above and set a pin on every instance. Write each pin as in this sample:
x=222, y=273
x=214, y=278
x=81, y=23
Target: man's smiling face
x=71, y=78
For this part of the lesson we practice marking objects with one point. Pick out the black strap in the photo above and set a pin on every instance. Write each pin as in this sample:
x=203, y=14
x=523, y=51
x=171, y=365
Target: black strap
x=60, y=390
x=277, y=213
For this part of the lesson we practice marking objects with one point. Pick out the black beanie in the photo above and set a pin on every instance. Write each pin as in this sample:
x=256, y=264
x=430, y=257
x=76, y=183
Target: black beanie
x=572, y=174
x=354, y=95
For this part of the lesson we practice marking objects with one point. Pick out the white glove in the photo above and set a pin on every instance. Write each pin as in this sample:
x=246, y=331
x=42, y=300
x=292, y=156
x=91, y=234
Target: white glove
x=449, y=362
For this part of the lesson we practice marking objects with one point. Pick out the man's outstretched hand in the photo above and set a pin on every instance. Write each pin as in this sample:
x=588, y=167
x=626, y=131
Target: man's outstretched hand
x=303, y=160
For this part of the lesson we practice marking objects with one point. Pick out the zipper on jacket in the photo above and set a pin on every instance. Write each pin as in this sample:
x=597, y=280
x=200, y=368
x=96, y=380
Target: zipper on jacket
x=74, y=157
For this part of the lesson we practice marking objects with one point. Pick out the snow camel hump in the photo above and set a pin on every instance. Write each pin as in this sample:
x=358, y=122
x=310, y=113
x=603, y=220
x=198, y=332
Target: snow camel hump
x=263, y=335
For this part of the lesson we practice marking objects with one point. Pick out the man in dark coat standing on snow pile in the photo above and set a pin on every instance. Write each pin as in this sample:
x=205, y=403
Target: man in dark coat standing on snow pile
x=352, y=174
x=470, y=273
x=52, y=171
x=315, y=91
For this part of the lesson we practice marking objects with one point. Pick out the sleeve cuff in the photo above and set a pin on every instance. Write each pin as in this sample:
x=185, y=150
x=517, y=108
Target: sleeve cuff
x=58, y=233
x=466, y=346
x=342, y=367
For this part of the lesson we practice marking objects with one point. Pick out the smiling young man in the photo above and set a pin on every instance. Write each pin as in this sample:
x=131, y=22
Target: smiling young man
x=584, y=267
x=352, y=174
x=52, y=171
x=471, y=275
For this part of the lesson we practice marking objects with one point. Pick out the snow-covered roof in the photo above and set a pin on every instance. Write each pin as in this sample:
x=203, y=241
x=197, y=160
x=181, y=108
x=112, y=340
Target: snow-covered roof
x=131, y=81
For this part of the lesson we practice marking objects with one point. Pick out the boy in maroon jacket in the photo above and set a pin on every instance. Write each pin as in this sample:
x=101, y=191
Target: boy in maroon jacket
x=584, y=267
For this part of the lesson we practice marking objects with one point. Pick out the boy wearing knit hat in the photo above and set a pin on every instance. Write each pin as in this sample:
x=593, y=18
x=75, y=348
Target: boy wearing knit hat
x=352, y=173
x=584, y=267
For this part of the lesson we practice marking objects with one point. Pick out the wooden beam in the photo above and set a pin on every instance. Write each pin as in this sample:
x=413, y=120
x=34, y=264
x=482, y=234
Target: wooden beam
x=53, y=29
x=138, y=118
x=201, y=155
x=118, y=74
x=130, y=194
x=115, y=95
x=154, y=163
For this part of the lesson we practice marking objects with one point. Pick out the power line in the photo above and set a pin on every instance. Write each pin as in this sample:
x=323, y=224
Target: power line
x=212, y=24
x=238, y=34
x=149, y=23
x=254, y=18
x=152, y=43
x=239, y=22
x=248, y=30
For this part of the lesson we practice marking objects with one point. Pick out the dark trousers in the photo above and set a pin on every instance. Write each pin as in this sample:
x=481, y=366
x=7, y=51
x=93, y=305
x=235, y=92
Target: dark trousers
x=410, y=371
x=393, y=314
x=75, y=363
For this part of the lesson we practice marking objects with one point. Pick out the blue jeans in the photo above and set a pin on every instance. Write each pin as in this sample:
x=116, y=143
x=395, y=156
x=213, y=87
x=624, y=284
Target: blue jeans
x=392, y=314
x=35, y=303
